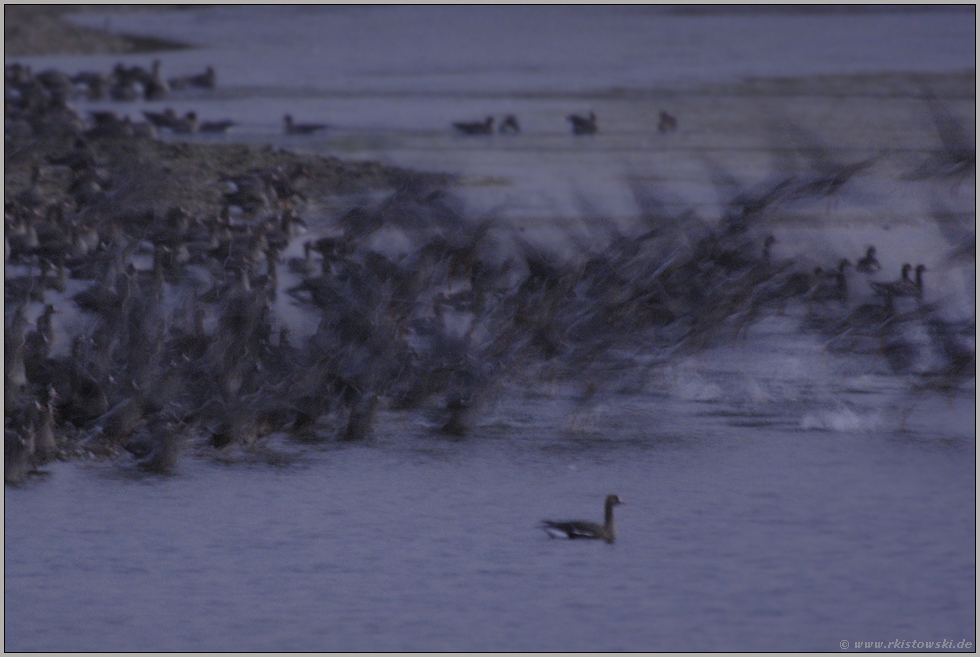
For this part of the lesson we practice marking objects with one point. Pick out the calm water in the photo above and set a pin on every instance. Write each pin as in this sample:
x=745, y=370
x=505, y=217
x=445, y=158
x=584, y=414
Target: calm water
x=778, y=497
x=742, y=531
x=778, y=506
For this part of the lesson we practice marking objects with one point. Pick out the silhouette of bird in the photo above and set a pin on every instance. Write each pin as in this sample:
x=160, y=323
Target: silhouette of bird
x=903, y=287
x=509, y=125
x=302, y=128
x=585, y=529
x=869, y=263
x=216, y=126
x=476, y=128
x=164, y=119
x=667, y=123
x=583, y=125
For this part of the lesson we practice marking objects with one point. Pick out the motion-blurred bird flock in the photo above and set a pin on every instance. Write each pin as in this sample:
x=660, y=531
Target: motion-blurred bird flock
x=176, y=340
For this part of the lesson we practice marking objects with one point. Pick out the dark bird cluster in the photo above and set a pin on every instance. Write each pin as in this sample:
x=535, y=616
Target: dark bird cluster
x=39, y=105
x=508, y=126
x=181, y=343
x=583, y=125
x=301, y=128
x=122, y=83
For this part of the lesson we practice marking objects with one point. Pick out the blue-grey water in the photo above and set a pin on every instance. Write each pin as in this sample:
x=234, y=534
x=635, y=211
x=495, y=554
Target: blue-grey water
x=778, y=496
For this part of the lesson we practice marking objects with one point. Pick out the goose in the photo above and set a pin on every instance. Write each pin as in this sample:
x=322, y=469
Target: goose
x=301, y=128
x=476, y=128
x=869, y=263
x=668, y=123
x=831, y=286
x=217, y=126
x=903, y=287
x=187, y=125
x=154, y=86
x=583, y=125
x=509, y=125
x=165, y=119
x=45, y=444
x=206, y=80
x=18, y=455
x=584, y=528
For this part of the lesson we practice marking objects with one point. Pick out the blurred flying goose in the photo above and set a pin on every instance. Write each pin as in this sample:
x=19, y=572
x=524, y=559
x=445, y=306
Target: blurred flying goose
x=584, y=528
x=476, y=128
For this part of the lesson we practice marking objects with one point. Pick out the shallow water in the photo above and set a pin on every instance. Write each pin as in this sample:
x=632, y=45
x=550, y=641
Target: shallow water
x=741, y=531
x=778, y=496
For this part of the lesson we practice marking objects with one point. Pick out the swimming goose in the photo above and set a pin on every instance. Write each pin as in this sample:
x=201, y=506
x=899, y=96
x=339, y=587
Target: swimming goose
x=903, y=287
x=476, y=128
x=832, y=285
x=583, y=528
x=206, y=80
x=668, y=123
x=301, y=128
x=187, y=125
x=869, y=263
x=164, y=119
x=583, y=125
x=154, y=86
x=509, y=125
x=217, y=126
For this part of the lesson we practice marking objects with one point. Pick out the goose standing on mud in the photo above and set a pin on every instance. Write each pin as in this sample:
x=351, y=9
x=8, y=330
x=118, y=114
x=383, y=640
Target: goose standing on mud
x=582, y=125
x=584, y=528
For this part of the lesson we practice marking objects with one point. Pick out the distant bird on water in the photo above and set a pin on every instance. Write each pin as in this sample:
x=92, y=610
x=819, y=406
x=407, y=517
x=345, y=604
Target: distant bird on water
x=509, y=125
x=668, y=123
x=582, y=125
x=869, y=263
x=216, y=126
x=476, y=128
x=584, y=528
x=903, y=287
x=301, y=128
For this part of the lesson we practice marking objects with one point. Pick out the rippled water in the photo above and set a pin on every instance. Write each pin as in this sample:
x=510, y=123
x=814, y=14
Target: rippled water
x=742, y=530
x=778, y=496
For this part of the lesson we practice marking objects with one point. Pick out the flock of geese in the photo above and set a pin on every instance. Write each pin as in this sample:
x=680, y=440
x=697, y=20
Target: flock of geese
x=580, y=125
x=130, y=83
x=189, y=350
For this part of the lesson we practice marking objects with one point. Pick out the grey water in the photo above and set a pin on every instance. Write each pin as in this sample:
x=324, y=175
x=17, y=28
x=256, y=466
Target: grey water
x=778, y=496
